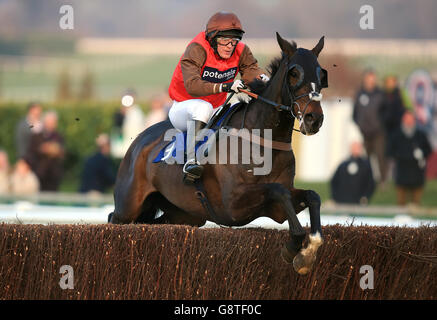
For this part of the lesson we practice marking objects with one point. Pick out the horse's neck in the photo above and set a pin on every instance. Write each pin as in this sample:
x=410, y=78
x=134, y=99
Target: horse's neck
x=264, y=116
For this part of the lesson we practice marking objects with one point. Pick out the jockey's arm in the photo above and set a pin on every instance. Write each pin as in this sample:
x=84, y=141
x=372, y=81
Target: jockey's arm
x=191, y=65
x=249, y=68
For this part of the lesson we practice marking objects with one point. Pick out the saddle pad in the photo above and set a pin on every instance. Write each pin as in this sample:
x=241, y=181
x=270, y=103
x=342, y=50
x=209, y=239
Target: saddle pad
x=175, y=150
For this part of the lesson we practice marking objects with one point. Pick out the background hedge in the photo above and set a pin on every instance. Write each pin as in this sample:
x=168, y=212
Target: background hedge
x=79, y=123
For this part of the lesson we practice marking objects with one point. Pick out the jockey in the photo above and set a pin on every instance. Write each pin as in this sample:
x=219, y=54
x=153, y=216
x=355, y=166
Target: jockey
x=205, y=74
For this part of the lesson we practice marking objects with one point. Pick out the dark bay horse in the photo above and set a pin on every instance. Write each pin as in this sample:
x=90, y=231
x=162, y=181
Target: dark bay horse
x=236, y=195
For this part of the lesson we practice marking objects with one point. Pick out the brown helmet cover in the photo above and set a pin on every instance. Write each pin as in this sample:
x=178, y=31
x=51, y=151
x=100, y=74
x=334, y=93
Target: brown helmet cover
x=222, y=21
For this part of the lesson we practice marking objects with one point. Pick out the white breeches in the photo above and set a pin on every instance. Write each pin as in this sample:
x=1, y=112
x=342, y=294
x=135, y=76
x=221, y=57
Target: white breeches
x=194, y=109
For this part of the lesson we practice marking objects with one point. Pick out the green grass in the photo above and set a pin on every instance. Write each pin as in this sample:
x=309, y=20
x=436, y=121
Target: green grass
x=383, y=196
x=37, y=78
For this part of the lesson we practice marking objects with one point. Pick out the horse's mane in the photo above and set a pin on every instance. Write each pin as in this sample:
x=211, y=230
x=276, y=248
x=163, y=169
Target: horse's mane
x=258, y=86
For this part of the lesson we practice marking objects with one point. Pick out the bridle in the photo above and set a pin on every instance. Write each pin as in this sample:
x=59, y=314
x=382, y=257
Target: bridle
x=313, y=95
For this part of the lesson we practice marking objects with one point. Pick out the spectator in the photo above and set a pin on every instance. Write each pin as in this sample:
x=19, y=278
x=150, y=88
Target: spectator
x=431, y=166
x=118, y=118
x=158, y=111
x=134, y=121
x=409, y=149
x=367, y=115
x=129, y=122
x=117, y=147
x=392, y=110
x=392, y=107
x=127, y=101
x=4, y=172
x=29, y=125
x=353, y=180
x=46, y=154
x=23, y=180
x=98, y=173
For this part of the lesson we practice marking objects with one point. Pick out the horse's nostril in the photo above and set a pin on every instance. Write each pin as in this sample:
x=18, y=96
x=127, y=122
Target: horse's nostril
x=309, y=118
x=318, y=123
x=313, y=120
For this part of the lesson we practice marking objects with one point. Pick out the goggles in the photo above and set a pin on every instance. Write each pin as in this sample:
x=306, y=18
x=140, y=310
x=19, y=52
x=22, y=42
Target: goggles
x=225, y=41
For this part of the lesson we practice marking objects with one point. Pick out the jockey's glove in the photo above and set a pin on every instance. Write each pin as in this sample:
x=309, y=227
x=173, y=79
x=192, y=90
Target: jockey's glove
x=232, y=86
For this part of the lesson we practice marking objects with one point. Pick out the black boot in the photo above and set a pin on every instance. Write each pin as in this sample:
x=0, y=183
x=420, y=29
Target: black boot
x=192, y=169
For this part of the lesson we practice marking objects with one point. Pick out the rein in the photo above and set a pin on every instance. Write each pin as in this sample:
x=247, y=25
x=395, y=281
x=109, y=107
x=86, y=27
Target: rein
x=278, y=106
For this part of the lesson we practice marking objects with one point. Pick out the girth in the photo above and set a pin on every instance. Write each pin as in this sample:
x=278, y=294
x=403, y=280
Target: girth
x=266, y=143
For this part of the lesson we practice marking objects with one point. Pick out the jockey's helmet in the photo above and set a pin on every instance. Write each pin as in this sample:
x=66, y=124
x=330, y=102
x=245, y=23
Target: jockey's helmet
x=223, y=24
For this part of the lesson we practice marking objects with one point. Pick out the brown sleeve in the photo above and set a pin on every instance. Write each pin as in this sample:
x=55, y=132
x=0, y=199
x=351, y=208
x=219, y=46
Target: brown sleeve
x=191, y=65
x=249, y=68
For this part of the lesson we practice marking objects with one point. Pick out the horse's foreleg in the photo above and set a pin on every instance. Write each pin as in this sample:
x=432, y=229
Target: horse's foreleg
x=281, y=195
x=271, y=195
x=308, y=199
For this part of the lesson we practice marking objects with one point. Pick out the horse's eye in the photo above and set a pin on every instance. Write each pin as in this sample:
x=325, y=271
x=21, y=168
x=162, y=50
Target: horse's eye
x=293, y=74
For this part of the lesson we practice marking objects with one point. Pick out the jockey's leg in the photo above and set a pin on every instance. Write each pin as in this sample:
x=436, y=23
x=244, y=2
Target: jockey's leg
x=192, y=168
x=195, y=109
x=191, y=115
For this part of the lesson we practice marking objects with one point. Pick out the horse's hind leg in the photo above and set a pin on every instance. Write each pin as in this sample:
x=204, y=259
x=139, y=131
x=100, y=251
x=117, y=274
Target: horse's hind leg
x=148, y=209
x=134, y=209
x=175, y=215
x=130, y=203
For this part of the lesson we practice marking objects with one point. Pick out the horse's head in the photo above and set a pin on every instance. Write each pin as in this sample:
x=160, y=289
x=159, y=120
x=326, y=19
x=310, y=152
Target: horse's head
x=304, y=79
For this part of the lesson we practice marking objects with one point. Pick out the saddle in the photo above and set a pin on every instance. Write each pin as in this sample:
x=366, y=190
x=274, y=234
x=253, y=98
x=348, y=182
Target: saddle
x=175, y=150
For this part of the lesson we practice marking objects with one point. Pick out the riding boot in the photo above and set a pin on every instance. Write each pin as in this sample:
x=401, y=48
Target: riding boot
x=192, y=169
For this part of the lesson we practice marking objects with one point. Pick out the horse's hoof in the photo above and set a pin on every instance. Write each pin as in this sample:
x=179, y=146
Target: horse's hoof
x=287, y=254
x=303, y=264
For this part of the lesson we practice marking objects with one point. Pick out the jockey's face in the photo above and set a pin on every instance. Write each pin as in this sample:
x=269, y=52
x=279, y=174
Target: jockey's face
x=226, y=46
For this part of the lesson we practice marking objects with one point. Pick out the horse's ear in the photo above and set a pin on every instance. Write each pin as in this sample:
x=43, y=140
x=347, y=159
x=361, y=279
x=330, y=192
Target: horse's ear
x=286, y=47
x=316, y=50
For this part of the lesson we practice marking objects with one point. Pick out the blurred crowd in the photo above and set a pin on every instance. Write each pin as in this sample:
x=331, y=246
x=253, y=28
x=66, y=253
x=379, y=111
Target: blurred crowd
x=393, y=147
x=40, y=154
x=129, y=120
x=41, y=150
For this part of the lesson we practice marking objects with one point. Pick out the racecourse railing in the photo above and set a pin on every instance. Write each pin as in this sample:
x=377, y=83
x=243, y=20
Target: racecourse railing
x=98, y=200
x=61, y=198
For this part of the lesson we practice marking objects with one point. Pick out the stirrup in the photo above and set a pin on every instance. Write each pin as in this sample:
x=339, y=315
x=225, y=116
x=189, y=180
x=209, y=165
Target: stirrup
x=190, y=177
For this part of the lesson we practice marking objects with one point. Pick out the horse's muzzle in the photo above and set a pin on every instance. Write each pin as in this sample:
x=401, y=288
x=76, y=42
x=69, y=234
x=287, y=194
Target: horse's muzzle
x=312, y=122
